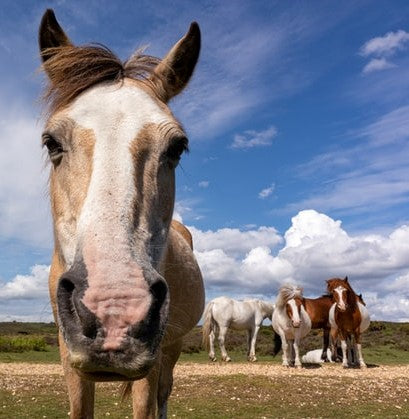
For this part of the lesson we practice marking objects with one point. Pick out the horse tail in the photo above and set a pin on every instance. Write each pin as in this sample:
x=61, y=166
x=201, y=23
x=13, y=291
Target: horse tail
x=277, y=344
x=207, y=325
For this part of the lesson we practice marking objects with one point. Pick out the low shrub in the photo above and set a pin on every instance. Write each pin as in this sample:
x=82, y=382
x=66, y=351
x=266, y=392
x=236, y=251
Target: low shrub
x=22, y=343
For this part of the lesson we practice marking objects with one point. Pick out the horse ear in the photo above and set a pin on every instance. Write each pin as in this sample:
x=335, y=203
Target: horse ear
x=51, y=35
x=175, y=70
x=346, y=279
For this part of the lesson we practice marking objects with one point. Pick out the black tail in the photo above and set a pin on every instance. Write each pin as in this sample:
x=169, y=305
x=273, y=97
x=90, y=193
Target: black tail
x=277, y=344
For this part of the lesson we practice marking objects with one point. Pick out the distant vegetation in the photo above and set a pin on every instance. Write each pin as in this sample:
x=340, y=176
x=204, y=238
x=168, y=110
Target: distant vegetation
x=382, y=342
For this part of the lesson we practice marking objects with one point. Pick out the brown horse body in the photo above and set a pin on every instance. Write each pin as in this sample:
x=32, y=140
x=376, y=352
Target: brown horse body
x=348, y=317
x=318, y=311
x=124, y=284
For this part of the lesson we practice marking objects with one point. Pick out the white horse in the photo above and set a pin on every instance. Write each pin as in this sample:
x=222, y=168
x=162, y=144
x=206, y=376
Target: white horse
x=290, y=321
x=224, y=312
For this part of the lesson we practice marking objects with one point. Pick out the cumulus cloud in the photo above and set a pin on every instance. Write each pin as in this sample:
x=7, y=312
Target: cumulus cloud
x=31, y=286
x=255, y=262
x=266, y=192
x=253, y=138
x=377, y=64
x=313, y=249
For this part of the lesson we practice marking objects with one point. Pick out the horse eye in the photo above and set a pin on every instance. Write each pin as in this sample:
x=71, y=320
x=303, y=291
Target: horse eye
x=55, y=149
x=175, y=150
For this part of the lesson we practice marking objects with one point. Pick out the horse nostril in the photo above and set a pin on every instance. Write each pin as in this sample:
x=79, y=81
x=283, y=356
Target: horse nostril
x=72, y=310
x=159, y=292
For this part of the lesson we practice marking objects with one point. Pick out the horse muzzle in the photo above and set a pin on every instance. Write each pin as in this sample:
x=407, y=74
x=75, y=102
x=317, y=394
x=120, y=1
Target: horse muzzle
x=114, y=334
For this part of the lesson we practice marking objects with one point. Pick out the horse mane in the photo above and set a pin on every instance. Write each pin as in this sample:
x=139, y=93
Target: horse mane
x=286, y=293
x=72, y=70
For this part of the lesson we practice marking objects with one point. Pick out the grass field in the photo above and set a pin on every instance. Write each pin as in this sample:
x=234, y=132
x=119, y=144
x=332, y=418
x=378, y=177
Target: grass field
x=32, y=385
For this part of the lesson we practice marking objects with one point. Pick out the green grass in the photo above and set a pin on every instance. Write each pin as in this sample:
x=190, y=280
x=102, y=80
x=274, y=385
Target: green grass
x=383, y=343
x=51, y=355
x=236, y=396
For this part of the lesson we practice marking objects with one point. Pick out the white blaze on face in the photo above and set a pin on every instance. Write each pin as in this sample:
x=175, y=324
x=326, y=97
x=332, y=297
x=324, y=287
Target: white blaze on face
x=341, y=297
x=117, y=292
x=295, y=314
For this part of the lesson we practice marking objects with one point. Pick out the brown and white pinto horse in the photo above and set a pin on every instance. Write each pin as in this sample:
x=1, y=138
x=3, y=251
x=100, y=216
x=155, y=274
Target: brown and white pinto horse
x=124, y=284
x=290, y=321
x=348, y=317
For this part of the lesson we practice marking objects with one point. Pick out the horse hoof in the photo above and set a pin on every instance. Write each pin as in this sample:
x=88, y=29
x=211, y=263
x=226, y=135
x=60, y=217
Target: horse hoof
x=214, y=359
x=345, y=366
x=252, y=359
x=362, y=365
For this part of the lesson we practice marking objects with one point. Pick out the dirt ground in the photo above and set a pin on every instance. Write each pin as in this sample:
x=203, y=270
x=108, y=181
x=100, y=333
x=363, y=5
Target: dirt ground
x=189, y=369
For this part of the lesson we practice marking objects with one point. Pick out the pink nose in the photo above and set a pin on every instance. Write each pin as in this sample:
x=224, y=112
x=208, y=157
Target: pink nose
x=296, y=324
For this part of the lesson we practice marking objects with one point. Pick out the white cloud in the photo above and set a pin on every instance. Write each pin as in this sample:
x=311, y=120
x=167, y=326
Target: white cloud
x=23, y=179
x=253, y=138
x=266, y=192
x=234, y=241
x=382, y=47
x=385, y=45
x=251, y=263
x=377, y=64
x=315, y=248
x=369, y=176
x=29, y=287
x=204, y=184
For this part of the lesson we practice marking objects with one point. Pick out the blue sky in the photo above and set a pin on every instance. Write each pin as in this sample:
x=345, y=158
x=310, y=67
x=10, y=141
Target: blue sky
x=298, y=119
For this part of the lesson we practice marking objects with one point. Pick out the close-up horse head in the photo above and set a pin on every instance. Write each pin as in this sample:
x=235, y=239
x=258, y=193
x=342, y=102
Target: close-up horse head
x=113, y=145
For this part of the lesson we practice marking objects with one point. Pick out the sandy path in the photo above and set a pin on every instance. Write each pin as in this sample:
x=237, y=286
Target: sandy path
x=192, y=369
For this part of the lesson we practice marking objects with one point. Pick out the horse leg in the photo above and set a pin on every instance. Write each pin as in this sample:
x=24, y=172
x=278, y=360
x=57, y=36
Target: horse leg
x=334, y=349
x=252, y=344
x=359, y=349
x=170, y=355
x=285, y=346
x=297, y=361
x=212, y=355
x=145, y=394
x=249, y=335
x=324, y=355
x=80, y=392
x=344, y=348
x=222, y=335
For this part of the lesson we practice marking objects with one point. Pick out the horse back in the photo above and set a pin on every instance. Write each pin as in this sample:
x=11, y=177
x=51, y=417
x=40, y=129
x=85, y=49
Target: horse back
x=183, y=231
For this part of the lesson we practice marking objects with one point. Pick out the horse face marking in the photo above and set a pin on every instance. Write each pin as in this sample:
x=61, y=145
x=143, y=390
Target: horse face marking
x=340, y=296
x=293, y=308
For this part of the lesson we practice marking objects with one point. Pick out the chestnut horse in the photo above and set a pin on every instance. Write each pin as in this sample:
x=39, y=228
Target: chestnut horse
x=318, y=311
x=291, y=321
x=124, y=284
x=348, y=317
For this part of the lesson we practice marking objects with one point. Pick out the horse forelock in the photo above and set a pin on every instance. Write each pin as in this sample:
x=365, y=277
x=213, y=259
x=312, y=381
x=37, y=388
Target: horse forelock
x=72, y=70
x=287, y=292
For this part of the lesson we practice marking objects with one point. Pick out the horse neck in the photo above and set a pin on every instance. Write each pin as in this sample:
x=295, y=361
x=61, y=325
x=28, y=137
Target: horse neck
x=352, y=299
